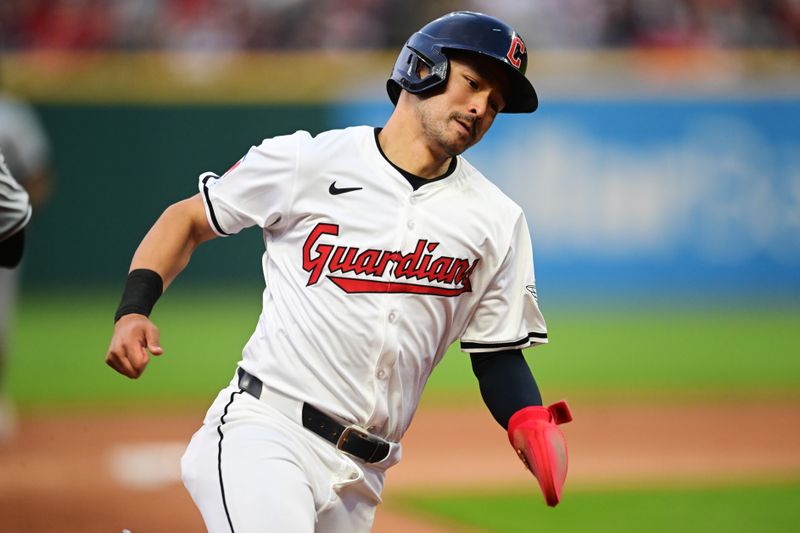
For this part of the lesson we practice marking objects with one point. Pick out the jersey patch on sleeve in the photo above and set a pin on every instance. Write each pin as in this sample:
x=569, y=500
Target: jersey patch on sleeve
x=532, y=290
x=239, y=162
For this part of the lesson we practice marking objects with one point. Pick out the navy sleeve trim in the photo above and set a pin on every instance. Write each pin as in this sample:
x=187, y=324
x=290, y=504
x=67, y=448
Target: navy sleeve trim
x=499, y=345
x=207, y=198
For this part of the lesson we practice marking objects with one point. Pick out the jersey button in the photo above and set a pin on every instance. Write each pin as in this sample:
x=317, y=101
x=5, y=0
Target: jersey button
x=413, y=200
x=410, y=224
x=381, y=374
x=392, y=317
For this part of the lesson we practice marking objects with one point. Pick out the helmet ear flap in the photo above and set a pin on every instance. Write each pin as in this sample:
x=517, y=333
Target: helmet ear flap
x=435, y=63
x=420, y=51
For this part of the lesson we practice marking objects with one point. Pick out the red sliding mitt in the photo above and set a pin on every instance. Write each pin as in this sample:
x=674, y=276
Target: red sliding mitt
x=534, y=434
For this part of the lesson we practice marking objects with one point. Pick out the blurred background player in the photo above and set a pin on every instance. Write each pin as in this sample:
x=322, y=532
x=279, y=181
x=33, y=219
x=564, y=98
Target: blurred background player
x=26, y=150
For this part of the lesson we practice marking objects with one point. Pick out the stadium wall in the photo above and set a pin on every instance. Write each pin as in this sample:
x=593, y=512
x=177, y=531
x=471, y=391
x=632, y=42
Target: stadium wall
x=638, y=171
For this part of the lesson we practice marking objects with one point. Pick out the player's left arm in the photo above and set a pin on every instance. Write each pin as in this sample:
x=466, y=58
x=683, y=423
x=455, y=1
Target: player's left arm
x=510, y=392
x=506, y=383
x=507, y=320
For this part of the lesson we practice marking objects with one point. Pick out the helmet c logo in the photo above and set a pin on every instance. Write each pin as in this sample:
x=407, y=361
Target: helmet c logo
x=516, y=51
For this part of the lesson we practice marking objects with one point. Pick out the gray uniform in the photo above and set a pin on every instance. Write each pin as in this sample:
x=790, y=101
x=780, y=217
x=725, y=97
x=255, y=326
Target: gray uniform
x=15, y=207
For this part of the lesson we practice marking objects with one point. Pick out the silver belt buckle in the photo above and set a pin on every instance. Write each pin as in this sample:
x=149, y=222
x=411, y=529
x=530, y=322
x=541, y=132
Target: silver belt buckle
x=346, y=435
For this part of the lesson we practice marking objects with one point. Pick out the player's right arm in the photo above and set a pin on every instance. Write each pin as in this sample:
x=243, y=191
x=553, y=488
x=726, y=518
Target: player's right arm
x=164, y=252
x=256, y=191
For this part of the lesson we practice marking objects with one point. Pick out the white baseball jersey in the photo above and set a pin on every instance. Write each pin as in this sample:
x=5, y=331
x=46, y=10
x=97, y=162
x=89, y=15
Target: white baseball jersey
x=15, y=208
x=369, y=281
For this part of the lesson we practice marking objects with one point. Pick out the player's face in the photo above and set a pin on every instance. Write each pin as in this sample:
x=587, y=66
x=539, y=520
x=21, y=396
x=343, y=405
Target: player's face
x=458, y=116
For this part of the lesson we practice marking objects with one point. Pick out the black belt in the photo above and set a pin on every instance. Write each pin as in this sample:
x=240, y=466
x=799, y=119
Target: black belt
x=349, y=439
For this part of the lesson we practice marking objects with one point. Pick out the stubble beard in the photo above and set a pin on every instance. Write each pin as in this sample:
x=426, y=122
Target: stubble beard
x=438, y=131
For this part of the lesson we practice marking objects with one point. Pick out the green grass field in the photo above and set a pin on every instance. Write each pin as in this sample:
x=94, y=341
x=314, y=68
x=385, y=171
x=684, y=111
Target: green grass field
x=731, y=509
x=60, y=340
x=663, y=353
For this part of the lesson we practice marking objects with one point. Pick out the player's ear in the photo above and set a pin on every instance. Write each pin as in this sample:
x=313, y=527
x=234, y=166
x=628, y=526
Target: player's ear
x=423, y=70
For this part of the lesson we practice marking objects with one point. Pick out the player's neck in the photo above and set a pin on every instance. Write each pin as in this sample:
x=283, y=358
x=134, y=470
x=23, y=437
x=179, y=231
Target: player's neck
x=408, y=149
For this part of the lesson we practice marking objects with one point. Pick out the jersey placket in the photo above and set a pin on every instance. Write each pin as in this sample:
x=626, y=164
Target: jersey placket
x=385, y=378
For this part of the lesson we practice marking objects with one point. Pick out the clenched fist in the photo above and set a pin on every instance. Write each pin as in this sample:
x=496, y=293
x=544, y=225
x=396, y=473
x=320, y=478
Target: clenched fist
x=135, y=337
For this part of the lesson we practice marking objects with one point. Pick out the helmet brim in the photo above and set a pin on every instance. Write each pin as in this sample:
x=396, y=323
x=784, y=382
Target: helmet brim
x=522, y=97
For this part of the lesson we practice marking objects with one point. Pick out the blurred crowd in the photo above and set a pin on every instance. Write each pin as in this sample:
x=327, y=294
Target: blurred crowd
x=348, y=24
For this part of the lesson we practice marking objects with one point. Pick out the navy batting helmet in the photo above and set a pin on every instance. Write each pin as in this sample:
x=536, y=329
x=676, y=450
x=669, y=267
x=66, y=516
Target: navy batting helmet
x=469, y=32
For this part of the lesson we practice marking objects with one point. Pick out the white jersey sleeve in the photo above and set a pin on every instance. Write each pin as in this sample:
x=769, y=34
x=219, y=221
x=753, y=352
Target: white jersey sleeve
x=15, y=207
x=257, y=190
x=508, y=315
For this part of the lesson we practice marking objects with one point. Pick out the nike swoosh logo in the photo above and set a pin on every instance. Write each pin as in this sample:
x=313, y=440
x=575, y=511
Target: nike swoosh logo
x=333, y=189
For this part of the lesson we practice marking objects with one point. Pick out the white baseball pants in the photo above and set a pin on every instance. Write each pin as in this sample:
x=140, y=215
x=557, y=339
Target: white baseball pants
x=253, y=468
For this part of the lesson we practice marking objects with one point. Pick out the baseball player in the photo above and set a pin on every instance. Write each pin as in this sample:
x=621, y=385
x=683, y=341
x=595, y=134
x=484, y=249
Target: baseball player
x=25, y=147
x=382, y=247
x=15, y=212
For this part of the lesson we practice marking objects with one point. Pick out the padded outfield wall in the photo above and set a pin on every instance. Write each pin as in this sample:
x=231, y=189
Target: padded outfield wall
x=660, y=171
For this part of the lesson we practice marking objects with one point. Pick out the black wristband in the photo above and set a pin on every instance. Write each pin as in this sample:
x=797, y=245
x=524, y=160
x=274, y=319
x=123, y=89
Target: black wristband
x=142, y=291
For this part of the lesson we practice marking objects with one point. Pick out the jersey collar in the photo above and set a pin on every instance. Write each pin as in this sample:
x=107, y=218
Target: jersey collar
x=415, y=181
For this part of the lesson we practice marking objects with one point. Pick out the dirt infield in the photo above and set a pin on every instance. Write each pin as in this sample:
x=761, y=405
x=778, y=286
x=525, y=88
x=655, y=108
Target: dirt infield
x=103, y=474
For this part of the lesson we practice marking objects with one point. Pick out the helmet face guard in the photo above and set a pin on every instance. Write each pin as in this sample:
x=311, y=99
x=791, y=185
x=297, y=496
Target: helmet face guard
x=469, y=32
